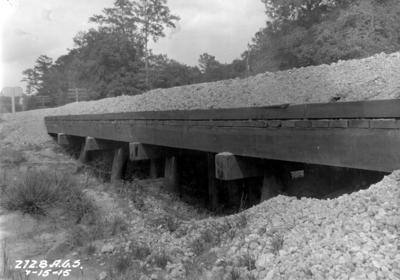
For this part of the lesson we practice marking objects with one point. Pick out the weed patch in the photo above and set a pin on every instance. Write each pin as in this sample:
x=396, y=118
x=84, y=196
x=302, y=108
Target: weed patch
x=161, y=259
x=11, y=158
x=38, y=190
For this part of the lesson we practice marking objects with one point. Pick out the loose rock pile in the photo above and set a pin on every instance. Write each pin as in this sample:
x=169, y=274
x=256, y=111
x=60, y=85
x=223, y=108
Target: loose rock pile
x=355, y=236
x=372, y=78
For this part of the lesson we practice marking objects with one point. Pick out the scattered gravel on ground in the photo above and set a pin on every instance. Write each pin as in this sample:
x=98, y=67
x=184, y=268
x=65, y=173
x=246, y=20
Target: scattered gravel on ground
x=372, y=78
x=355, y=236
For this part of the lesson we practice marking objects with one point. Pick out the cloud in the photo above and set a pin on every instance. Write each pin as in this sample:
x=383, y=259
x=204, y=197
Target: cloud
x=47, y=14
x=175, y=30
x=20, y=32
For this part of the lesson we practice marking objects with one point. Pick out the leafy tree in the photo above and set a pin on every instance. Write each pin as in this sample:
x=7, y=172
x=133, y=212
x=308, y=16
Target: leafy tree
x=310, y=32
x=107, y=64
x=363, y=29
x=152, y=16
x=212, y=69
x=120, y=19
x=32, y=80
x=35, y=77
x=171, y=73
x=139, y=21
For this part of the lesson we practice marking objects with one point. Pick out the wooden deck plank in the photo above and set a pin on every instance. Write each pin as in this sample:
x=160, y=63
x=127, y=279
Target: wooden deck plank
x=354, y=109
x=372, y=149
x=339, y=123
x=359, y=123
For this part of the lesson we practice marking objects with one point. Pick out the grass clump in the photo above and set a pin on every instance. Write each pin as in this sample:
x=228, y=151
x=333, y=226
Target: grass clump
x=10, y=157
x=37, y=190
x=197, y=246
x=140, y=252
x=89, y=249
x=247, y=261
x=122, y=264
x=161, y=259
x=97, y=228
x=276, y=242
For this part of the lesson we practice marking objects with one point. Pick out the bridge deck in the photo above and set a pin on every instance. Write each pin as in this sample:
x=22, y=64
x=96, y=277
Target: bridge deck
x=364, y=135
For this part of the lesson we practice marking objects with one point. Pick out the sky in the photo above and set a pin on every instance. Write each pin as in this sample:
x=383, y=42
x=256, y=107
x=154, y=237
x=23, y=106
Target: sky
x=30, y=28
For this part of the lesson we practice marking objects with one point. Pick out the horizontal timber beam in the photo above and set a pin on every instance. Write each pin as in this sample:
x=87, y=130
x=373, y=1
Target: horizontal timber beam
x=370, y=149
x=93, y=144
x=231, y=167
x=139, y=151
x=63, y=139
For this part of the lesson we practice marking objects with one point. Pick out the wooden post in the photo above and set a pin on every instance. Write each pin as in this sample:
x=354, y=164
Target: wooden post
x=271, y=187
x=172, y=175
x=119, y=165
x=155, y=168
x=234, y=187
x=213, y=183
x=85, y=154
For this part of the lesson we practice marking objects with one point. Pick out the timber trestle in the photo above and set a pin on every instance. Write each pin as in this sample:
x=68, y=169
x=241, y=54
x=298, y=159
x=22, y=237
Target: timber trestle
x=360, y=134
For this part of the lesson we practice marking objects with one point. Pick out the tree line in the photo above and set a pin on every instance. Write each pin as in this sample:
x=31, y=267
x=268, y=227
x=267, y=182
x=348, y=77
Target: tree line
x=113, y=59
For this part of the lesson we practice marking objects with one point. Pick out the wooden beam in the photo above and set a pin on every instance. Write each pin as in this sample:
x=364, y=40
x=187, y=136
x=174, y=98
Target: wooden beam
x=353, y=109
x=139, y=151
x=119, y=165
x=63, y=139
x=172, y=176
x=370, y=149
x=155, y=168
x=93, y=144
x=231, y=167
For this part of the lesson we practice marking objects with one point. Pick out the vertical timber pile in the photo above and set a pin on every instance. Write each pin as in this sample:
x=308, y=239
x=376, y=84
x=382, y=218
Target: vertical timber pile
x=232, y=168
x=213, y=183
x=119, y=165
x=172, y=176
x=155, y=168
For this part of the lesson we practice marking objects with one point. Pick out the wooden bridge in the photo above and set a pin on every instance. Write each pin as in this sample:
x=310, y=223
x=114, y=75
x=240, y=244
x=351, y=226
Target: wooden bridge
x=363, y=135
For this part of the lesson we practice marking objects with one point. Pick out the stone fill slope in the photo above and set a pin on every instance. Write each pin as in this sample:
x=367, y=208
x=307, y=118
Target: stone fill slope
x=355, y=236
x=373, y=78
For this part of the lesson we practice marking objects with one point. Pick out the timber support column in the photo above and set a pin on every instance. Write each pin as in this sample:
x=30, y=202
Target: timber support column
x=213, y=183
x=155, y=168
x=119, y=165
x=85, y=154
x=172, y=178
x=271, y=187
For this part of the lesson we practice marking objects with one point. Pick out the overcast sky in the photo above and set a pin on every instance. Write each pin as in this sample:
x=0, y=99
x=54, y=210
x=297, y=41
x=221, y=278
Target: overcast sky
x=30, y=28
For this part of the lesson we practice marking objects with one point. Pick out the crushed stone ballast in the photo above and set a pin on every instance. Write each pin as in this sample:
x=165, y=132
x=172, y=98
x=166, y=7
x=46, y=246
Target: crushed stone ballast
x=359, y=134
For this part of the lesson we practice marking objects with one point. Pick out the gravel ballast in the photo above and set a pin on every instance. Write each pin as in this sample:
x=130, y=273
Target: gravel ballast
x=372, y=78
